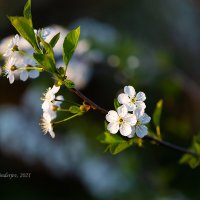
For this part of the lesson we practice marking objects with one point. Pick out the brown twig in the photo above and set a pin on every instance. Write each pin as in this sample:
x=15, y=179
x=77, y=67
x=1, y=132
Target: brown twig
x=148, y=137
x=93, y=105
x=170, y=145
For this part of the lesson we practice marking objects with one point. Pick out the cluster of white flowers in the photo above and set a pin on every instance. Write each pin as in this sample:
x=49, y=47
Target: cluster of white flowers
x=130, y=118
x=16, y=63
x=51, y=103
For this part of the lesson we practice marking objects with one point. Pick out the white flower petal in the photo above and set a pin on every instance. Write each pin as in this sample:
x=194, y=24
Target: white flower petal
x=7, y=53
x=113, y=127
x=46, y=116
x=123, y=98
x=55, y=89
x=140, y=105
x=144, y=119
x=141, y=131
x=129, y=90
x=58, y=100
x=52, y=133
x=130, y=106
x=34, y=73
x=11, y=78
x=16, y=39
x=138, y=112
x=122, y=111
x=130, y=119
x=23, y=75
x=52, y=114
x=130, y=136
x=125, y=129
x=141, y=96
x=112, y=116
x=46, y=105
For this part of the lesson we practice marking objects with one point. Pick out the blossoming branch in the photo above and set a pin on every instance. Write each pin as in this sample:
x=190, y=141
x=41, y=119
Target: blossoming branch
x=125, y=126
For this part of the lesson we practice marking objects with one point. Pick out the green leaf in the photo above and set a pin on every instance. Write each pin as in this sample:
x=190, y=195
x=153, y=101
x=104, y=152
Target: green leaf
x=70, y=44
x=116, y=143
x=108, y=138
x=27, y=12
x=156, y=117
x=22, y=25
x=116, y=103
x=48, y=50
x=191, y=160
x=157, y=113
x=74, y=109
x=69, y=84
x=45, y=61
x=54, y=40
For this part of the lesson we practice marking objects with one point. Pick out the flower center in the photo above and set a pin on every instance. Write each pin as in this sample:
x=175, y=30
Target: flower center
x=120, y=120
x=133, y=100
x=13, y=68
x=15, y=48
x=54, y=108
x=138, y=123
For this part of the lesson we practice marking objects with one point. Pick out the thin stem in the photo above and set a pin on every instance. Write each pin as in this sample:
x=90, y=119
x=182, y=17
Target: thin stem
x=93, y=105
x=31, y=68
x=66, y=119
x=26, y=54
x=158, y=141
x=68, y=102
x=63, y=110
x=170, y=145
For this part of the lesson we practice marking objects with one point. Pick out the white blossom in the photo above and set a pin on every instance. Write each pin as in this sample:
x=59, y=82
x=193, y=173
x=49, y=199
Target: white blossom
x=53, y=106
x=51, y=102
x=140, y=129
x=120, y=121
x=132, y=100
x=46, y=125
x=49, y=96
x=25, y=74
x=13, y=43
x=10, y=69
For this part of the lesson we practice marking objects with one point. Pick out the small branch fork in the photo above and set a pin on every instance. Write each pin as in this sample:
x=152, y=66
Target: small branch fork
x=169, y=145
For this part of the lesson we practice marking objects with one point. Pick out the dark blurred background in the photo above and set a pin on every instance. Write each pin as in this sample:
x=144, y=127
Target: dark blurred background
x=152, y=45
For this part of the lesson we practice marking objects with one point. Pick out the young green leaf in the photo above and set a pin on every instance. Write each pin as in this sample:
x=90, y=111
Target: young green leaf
x=27, y=12
x=46, y=62
x=70, y=44
x=22, y=25
x=116, y=143
x=116, y=103
x=48, y=50
x=157, y=115
x=191, y=160
x=69, y=84
x=54, y=40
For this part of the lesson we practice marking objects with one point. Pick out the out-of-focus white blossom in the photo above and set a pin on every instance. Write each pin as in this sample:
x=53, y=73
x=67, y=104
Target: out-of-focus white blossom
x=10, y=69
x=12, y=45
x=44, y=32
